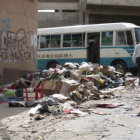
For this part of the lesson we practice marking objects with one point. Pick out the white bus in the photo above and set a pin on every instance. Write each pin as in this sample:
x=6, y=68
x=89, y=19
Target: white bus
x=105, y=44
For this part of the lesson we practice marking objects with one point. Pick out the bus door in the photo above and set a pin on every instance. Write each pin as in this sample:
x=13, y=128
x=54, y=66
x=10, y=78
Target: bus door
x=93, y=44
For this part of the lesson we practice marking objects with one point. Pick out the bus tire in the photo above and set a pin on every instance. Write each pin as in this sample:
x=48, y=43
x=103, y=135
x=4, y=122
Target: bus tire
x=51, y=64
x=120, y=66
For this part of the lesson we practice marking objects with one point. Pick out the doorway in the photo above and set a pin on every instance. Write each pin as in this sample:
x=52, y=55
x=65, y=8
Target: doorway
x=93, y=44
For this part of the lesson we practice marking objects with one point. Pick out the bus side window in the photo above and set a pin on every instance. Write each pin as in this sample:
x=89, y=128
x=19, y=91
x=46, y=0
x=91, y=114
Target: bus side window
x=77, y=40
x=44, y=41
x=120, y=38
x=129, y=38
x=107, y=38
x=55, y=41
x=67, y=40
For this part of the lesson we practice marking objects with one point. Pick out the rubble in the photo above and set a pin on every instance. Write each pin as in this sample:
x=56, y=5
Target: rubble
x=68, y=92
x=73, y=82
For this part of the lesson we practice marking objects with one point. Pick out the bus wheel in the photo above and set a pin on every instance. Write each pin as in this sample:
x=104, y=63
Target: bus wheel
x=51, y=64
x=120, y=66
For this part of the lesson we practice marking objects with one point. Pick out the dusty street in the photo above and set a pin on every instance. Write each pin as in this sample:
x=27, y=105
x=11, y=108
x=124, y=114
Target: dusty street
x=5, y=112
x=118, y=123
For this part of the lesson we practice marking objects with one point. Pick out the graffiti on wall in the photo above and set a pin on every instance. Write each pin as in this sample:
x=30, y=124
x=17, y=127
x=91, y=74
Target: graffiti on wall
x=15, y=46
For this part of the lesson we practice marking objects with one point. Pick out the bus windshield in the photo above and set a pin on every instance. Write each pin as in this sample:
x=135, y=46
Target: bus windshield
x=137, y=33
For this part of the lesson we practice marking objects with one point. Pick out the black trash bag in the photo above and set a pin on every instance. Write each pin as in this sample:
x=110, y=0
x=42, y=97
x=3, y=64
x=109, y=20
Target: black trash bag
x=44, y=108
x=31, y=103
x=16, y=104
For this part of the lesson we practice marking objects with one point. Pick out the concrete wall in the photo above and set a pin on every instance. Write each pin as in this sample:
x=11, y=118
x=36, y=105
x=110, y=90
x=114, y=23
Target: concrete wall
x=59, y=5
x=111, y=13
x=58, y=19
x=67, y=12
x=18, y=28
x=115, y=2
x=71, y=12
x=96, y=18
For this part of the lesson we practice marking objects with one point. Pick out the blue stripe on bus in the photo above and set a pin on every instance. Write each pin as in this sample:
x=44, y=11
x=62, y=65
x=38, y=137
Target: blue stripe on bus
x=43, y=62
x=62, y=49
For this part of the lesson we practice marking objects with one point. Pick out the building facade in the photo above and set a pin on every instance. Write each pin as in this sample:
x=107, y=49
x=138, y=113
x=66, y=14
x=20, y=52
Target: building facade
x=18, y=38
x=74, y=12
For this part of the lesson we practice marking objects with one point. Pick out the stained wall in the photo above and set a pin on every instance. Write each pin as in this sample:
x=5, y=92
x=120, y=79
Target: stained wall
x=18, y=38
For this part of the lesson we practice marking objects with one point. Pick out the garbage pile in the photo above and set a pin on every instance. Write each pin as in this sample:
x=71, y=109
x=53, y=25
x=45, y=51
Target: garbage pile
x=59, y=90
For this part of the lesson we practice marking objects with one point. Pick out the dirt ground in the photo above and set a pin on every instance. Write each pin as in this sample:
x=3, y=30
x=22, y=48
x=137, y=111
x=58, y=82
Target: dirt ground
x=120, y=123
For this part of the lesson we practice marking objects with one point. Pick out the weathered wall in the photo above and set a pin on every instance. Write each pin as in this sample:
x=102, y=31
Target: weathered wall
x=71, y=12
x=67, y=12
x=18, y=28
x=115, y=2
x=58, y=19
x=106, y=13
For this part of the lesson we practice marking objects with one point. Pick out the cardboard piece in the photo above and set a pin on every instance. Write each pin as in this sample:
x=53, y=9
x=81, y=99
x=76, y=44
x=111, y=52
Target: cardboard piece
x=58, y=87
x=68, y=86
x=48, y=85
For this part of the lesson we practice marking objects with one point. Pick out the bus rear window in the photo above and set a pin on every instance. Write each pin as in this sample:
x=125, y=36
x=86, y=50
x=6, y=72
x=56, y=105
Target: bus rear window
x=137, y=33
x=107, y=38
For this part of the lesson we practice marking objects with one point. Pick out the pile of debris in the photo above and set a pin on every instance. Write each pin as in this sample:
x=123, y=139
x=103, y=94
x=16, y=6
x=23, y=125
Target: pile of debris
x=63, y=88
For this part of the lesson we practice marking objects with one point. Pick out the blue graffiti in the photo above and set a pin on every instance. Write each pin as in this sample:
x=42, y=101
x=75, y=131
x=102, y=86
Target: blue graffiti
x=5, y=25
